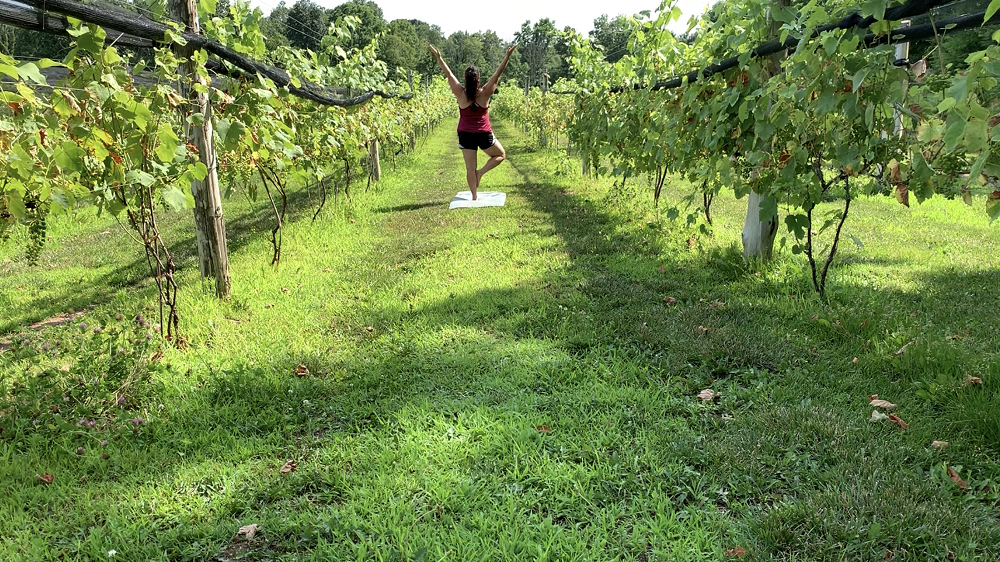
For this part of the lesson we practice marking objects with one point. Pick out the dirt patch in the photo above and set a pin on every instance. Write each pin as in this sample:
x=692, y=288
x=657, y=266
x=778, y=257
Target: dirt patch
x=235, y=551
x=247, y=550
x=57, y=320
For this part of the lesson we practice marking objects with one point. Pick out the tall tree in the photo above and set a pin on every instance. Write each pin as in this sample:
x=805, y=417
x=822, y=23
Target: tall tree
x=305, y=25
x=537, y=48
x=562, y=45
x=427, y=34
x=371, y=25
x=612, y=35
x=400, y=47
x=462, y=50
x=273, y=26
x=494, y=48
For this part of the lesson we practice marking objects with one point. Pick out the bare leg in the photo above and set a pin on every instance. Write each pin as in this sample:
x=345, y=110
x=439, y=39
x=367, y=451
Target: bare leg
x=496, y=154
x=471, y=175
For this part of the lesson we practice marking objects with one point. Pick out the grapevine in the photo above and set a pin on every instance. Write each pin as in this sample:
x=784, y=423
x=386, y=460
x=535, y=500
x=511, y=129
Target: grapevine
x=833, y=114
x=101, y=137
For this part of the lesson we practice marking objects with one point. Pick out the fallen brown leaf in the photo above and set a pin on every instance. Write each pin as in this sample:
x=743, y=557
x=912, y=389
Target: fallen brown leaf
x=902, y=350
x=543, y=429
x=47, y=478
x=919, y=70
x=669, y=300
x=64, y=368
x=663, y=269
x=289, y=466
x=369, y=329
x=896, y=420
x=855, y=361
x=738, y=552
x=301, y=370
x=969, y=379
x=708, y=395
x=885, y=404
x=939, y=444
x=957, y=479
x=903, y=193
x=156, y=357
x=703, y=330
x=716, y=304
x=248, y=531
x=284, y=289
x=872, y=397
x=692, y=243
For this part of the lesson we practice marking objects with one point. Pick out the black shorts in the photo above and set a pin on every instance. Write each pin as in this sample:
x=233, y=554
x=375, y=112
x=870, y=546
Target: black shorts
x=472, y=141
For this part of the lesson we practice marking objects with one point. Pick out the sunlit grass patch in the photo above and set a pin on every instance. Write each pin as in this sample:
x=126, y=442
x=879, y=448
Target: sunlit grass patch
x=514, y=383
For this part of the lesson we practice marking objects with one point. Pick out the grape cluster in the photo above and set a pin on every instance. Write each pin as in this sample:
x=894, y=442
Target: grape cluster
x=36, y=234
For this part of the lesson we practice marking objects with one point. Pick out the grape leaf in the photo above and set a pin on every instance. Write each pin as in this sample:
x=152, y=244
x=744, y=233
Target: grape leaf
x=174, y=197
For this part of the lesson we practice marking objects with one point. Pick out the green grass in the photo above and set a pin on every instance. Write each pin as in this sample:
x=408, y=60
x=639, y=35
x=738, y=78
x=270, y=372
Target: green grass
x=504, y=383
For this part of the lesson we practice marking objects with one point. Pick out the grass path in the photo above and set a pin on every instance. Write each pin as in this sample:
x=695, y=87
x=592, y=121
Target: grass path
x=506, y=384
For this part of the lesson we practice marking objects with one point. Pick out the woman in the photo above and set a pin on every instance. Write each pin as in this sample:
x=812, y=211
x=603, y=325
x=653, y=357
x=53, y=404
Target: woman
x=474, y=129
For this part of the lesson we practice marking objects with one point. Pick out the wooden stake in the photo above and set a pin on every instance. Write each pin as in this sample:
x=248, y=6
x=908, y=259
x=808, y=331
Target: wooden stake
x=210, y=227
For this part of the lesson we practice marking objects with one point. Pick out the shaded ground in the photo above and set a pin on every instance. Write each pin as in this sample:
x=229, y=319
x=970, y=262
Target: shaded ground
x=512, y=384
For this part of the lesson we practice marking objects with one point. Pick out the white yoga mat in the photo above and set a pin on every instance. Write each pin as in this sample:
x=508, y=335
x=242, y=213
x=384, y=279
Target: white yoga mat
x=485, y=199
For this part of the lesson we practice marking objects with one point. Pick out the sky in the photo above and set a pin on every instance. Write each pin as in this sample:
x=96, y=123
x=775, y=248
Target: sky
x=506, y=17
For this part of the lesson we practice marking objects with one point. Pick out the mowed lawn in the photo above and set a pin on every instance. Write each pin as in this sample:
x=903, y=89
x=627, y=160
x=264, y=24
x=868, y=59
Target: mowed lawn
x=515, y=383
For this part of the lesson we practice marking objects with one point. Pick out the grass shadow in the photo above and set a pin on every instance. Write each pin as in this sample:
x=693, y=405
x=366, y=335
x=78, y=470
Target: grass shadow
x=249, y=224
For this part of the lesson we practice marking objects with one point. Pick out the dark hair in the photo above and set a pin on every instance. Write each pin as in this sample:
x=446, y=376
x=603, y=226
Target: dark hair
x=471, y=83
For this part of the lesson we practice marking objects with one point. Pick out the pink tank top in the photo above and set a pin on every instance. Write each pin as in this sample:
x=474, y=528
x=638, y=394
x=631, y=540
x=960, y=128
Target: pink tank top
x=474, y=119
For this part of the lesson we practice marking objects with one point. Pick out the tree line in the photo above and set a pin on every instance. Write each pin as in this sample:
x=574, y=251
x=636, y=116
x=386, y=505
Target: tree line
x=543, y=47
x=540, y=60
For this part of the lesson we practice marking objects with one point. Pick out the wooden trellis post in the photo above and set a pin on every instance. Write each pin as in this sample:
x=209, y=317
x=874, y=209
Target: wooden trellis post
x=373, y=155
x=210, y=227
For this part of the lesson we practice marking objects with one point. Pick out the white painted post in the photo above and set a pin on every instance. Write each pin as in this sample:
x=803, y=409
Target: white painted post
x=902, y=59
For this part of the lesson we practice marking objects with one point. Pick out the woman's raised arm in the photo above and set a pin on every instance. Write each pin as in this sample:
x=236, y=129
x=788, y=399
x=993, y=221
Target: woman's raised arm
x=491, y=86
x=456, y=88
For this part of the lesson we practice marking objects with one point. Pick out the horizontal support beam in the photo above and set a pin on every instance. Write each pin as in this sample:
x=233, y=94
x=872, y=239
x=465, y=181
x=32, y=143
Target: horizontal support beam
x=143, y=28
x=909, y=9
